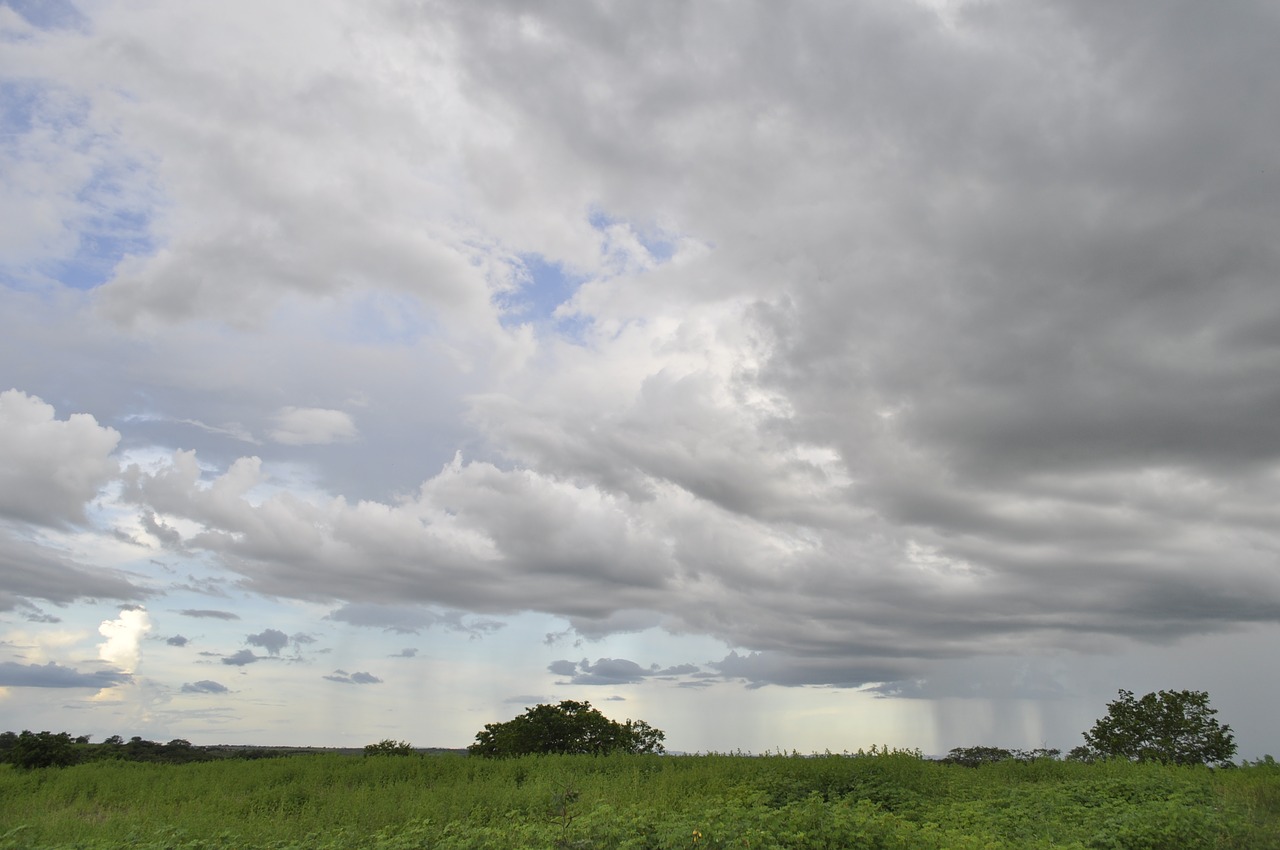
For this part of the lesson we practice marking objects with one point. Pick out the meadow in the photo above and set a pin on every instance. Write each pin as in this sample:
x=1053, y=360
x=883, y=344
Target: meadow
x=869, y=800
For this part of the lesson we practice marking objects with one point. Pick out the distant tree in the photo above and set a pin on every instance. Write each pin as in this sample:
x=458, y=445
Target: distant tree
x=570, y=727
x=977, y=756
x=1172, y=727
x=388, y=747
x=643, y=738
x=43, y=749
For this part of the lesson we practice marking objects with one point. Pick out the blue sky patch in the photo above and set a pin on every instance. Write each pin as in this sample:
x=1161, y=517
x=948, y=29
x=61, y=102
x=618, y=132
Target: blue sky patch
x=545, y=286
x=48, y=14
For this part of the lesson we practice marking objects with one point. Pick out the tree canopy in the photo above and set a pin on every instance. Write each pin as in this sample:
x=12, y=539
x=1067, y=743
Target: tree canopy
x=1173, y=727
x=570, y=727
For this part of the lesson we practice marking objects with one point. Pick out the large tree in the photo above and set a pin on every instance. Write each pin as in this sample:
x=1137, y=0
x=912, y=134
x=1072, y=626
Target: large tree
x=570, y=727
x=1173, y=727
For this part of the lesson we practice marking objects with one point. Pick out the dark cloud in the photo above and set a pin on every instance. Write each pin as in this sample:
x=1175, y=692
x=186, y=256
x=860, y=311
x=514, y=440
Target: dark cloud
x=758, y=669
x=51, y=675
x=204, y=686
x=35, y=614
x=407, y=652
x=31, y=571
x=177, y=640
x=166, y=535
x=614, y=671
x=241, y=658
x=272, y=640
x=966, y=346
x=209, y=614
x=358, y=678
x=411, y=619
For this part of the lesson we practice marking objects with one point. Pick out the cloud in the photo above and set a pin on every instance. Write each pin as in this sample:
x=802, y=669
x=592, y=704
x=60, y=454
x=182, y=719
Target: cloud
x=272, y=640
x=614, y=671
x=51, y=675
x=241, y=658
x=410, y=619
x=205, y=613
x=123, y=645
x=177, y=640
x=50, y=467
x=880, y=339
x=758, y=669
x=345, y=678
x=204, y=686
x=307, y=426
x=407, y=652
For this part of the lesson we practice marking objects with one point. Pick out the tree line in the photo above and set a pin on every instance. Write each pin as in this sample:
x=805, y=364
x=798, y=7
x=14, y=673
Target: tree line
x=1170, y=727
x=29, y=749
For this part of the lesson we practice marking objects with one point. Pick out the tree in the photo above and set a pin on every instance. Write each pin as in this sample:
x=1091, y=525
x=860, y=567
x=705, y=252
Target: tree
x=570, y=727
x=389, y=747
x=978, y=756
x=1172, y=727
x=43, y=749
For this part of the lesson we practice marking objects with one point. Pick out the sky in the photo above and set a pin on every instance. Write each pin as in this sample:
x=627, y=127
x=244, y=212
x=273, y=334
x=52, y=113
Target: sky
x=789, y=376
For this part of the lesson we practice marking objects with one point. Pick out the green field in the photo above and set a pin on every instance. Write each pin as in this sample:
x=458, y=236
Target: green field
x=894, y=800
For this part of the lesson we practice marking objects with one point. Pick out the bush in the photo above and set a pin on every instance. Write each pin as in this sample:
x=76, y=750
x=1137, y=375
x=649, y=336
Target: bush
x=45, y=749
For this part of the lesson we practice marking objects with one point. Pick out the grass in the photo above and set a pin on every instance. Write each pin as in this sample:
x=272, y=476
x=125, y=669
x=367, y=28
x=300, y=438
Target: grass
x=893, y=800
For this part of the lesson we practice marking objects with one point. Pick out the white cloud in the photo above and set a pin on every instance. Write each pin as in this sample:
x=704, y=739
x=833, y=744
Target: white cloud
x=50, y=467
x=306, y=426
x=123, y=645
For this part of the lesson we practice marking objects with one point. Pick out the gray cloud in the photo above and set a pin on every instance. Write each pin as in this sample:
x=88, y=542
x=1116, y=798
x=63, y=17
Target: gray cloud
x=407, y=652
x=899, y=340
x=177, y=640
x=358, y=678
x=241, y=658
x=51, y=675
x=204, y=686
x=272, y=640
x=410, y=619
x=614, y=671
x=209, y=614
x=29, y=570
x=50, y=467
x=298, y=426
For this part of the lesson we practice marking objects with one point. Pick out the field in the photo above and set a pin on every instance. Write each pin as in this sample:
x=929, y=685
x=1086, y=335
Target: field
x=881, y=800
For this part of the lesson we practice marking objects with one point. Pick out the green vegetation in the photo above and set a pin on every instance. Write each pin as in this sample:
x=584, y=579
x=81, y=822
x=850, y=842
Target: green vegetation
x=881, y=799
x=388, y=747
x=570, y=728
x=1171, y=727
x=571, y=778
x=30, y=750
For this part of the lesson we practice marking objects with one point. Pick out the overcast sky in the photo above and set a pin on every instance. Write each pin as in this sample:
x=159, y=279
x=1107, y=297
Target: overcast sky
x=808, y=375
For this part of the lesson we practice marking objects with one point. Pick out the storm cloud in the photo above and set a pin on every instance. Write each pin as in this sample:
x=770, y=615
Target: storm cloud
x=859, y=341
x=51, y=675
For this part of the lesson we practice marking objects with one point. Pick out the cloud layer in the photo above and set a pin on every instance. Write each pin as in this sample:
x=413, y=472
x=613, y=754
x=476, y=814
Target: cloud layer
x=862, y=338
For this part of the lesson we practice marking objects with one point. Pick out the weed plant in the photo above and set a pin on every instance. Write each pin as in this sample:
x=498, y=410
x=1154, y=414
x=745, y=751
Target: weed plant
x=877, y=800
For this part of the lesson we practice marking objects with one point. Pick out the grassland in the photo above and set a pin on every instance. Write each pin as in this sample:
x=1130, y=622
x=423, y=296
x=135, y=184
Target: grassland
x=884, y=800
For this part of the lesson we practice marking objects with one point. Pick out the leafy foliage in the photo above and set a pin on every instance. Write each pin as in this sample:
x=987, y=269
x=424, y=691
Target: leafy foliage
x=570, y=728
x=43, y=749
x=389, y=747
x=886, y=800
x=1171, y=727
x=978, y=756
